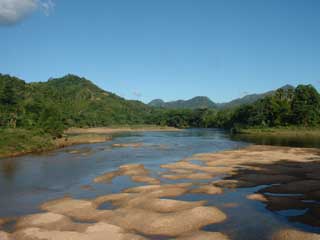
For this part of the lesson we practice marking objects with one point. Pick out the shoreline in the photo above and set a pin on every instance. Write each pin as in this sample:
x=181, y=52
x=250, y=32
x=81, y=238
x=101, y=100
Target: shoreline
x=113, y=130
x=289, y=132
x=76, y=136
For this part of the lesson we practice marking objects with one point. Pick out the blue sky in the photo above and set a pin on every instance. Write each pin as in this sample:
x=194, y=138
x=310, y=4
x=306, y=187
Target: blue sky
x=169, y=49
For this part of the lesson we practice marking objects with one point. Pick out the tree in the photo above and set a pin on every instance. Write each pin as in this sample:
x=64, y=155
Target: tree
x=306, y=106
x=7, y=94
x=9, y=100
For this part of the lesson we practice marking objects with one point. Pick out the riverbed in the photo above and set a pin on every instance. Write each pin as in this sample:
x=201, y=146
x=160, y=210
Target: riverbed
x=28, y=182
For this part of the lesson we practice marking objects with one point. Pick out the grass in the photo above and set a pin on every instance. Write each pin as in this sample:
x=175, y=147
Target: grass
x=290, y=131
x=19, y=141
x=14, y=142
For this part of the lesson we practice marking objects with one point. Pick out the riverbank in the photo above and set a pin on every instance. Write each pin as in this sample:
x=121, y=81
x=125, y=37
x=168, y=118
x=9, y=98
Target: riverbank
x=16, y=142
x=157, y=209
x=291, y=132
x=121, y=129
x=290, y=136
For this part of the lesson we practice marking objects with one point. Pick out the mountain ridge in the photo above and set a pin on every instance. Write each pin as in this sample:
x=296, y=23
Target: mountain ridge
x=184, y=104
x=193, y=103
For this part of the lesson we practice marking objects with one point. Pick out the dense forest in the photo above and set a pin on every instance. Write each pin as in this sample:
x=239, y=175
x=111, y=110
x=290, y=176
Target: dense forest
x=64, y=102
x=52, y=106
x=288, y=106
x=205, y=102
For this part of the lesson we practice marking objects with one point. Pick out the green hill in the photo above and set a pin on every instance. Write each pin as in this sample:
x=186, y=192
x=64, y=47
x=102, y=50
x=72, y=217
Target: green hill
x=250, y=98
x=64, y=102
x=202, y=102
x=199, y=102
x=32, y=115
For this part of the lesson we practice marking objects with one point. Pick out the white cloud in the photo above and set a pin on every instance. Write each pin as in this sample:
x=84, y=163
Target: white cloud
x=13, y=11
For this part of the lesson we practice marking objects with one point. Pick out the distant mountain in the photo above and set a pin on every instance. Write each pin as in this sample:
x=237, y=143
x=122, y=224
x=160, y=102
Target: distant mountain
x=248, y=99
x=193, y=103
x=157, y=103
x=205, y=102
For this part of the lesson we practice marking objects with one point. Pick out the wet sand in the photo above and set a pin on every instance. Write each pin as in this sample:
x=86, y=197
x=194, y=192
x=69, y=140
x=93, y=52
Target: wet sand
x=288, y=179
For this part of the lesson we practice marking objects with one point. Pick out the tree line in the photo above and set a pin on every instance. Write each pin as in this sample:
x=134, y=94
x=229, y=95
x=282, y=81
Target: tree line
x=298, y=106
x=71, y=101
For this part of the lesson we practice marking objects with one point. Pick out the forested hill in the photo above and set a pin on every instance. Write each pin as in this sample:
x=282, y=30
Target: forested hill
x=64, y=102
x=202, y=102
x=199, y=102
x=250, y=98
x=72, y=101
x=284, y=107
x=32, y=115
x=298, y=106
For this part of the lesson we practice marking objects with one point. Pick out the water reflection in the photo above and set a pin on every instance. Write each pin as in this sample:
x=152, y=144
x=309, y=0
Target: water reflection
x=9, y=168
x=292, y=141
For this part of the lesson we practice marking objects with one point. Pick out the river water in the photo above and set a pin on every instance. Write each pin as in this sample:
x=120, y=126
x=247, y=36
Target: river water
x=28, y=181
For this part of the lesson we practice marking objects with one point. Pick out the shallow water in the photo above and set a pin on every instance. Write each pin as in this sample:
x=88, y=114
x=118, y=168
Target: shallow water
x=27, y=181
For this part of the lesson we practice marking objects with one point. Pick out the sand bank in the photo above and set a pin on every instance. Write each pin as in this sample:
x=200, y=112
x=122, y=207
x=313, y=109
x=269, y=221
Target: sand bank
x=113, y=130
x=146, y=211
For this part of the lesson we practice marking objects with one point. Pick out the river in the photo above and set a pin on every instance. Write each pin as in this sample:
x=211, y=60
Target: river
x=28, y=181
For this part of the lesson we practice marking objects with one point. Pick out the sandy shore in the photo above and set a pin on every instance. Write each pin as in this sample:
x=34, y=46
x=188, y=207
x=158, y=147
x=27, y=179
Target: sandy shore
x=103, y=130
x=149, y=210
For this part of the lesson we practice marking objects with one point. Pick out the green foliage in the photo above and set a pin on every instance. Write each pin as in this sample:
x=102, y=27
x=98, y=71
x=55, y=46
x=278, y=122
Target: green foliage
x=22, y=140
x=183, y=118
x=64, y=102
x=205, y=102
x=193, y=103
x=286, y=107
x=72, y=101
x=10, y=101
x=306, y=106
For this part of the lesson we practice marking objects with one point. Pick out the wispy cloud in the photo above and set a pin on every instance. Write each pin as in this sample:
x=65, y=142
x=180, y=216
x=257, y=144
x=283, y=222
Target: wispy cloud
x=13, y=11
x=47, y=6
x=137, y=94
